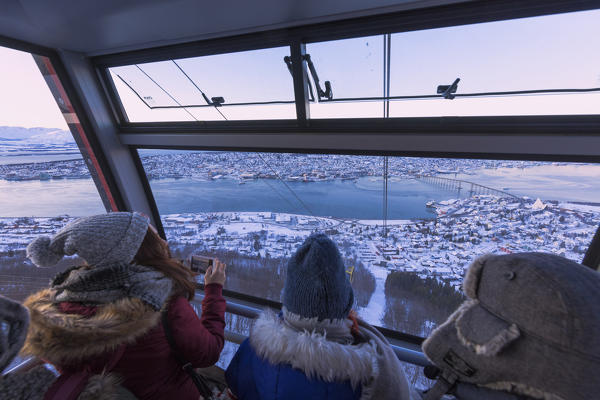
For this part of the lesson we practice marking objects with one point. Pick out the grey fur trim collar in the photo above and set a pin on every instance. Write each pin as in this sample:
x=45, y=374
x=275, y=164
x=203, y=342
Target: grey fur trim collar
x=312, y=353
x=334, y=330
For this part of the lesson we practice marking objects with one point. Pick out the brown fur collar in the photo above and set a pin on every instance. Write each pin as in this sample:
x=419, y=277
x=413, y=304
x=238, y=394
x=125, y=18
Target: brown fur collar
x=63, y=339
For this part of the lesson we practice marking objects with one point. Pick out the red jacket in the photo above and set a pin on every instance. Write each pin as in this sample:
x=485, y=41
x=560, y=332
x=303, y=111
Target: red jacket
x=148, y=367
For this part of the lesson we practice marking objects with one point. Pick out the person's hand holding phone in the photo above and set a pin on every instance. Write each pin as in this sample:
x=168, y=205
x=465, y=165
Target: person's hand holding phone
x=215, y=273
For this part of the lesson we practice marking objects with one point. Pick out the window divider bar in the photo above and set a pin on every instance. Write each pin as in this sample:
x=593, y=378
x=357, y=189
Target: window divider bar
x=114, y=100
x=300, y=77
x=148, y=192
x=592, y=255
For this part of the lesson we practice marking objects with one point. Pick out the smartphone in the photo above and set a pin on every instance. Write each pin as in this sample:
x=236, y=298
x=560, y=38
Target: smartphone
x=200, y=263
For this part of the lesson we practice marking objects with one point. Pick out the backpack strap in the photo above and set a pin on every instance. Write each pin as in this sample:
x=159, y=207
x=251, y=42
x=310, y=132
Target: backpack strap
x=198, y=379
x=69, y=385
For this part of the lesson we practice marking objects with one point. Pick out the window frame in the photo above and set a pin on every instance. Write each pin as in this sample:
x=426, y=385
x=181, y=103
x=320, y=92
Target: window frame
x=591, y=258
x=303, y=135
x=193, y=136
x=69, y=104
x=297, y=38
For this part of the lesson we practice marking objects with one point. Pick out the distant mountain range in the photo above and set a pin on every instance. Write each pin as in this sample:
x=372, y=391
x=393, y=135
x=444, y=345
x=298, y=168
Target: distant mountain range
x=34, y=136
x=20, y=145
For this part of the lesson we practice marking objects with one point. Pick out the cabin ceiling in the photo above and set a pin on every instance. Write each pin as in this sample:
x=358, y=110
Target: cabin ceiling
x=109, y=26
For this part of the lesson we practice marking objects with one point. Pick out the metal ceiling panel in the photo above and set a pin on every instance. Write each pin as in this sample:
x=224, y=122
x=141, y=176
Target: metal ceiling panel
x=108, y=26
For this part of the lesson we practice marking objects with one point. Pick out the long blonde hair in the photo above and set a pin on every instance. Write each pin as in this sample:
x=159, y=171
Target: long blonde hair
x=154, y=252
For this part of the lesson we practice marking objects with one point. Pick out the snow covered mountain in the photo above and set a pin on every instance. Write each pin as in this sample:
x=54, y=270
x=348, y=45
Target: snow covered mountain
x=53, y=137
x=35, y=135
x=27, y=145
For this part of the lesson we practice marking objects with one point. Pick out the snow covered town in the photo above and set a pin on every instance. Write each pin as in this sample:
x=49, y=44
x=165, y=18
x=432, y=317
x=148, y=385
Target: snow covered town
x=442, y=246
x=246, y=166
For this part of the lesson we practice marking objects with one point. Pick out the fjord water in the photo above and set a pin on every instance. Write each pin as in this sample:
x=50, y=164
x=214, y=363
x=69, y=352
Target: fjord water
x=360, y=198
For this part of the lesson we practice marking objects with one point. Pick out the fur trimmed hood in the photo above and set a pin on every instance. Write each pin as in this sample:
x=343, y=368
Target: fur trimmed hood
x=312, y=353
x=289, y=354
x=63, y=338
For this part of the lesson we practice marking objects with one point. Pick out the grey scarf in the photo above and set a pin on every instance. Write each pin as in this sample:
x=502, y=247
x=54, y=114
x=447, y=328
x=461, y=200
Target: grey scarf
x=390, y=382
x=108, y=283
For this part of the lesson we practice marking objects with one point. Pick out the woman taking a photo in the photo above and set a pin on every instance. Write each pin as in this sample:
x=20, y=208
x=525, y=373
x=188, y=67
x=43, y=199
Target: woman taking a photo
x=100, y=323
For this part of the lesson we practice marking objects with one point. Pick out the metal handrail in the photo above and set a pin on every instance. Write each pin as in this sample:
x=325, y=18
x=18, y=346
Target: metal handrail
x=25, y=365
x=254, y=301
x=405, y=351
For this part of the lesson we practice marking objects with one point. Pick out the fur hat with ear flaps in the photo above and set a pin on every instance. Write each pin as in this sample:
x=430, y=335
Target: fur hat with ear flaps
x=99, y=239
x=14, y=320
x=530, y=326
x=317, y=284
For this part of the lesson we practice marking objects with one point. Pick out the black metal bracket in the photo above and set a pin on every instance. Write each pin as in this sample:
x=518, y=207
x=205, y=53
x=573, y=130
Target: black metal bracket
x=447, y=90
x=288, y=62
x=328, y=92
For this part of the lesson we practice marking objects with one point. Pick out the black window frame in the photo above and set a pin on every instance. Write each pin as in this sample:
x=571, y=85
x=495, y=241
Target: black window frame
x=296, y=38
x=80, y=127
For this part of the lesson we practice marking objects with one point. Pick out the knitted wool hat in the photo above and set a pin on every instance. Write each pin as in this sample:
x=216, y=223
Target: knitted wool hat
x=317, y=284
x=99, y=239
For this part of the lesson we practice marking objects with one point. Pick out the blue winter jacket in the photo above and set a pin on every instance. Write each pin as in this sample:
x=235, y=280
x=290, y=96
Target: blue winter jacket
x=251, y=378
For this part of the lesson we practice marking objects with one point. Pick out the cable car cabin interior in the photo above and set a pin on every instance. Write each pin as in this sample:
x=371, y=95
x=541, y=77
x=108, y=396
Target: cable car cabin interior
x=438, y=145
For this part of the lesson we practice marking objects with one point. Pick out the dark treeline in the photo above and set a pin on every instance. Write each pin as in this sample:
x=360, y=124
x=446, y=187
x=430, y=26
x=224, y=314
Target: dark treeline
x=265, y=276
x=262, y=277
x=416, y=305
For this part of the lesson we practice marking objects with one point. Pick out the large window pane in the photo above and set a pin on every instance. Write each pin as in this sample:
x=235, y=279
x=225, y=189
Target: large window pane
x=520, y=54
x=44, y=182
x=528, y=54
x=549, y=52
x=253, y=210
x=175, y=90
x=354, y=67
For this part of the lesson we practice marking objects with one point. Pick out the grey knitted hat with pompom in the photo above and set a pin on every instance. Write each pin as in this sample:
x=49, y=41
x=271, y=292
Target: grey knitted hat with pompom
x=317, y=284
x=99, y=239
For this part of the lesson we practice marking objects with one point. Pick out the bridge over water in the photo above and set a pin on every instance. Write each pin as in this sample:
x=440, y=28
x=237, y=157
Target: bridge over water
x=459, y=184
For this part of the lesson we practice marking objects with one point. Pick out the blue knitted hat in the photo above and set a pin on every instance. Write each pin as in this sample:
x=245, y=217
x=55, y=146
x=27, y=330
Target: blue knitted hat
x=317, y=284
